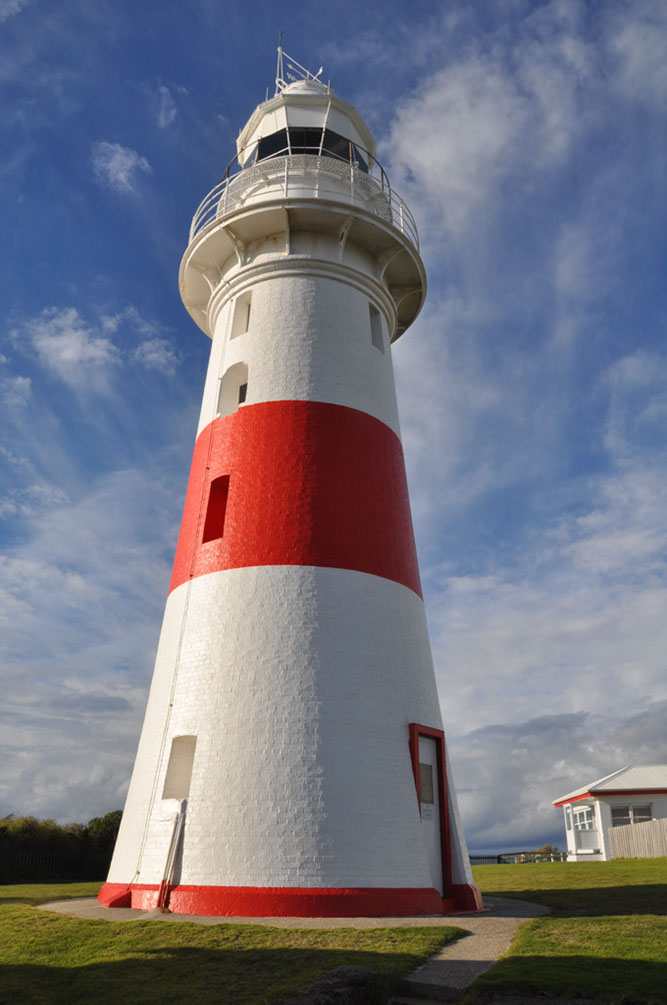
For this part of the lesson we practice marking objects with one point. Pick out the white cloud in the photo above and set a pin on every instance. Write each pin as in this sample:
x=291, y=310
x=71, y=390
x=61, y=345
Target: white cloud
x=637, y=41
x=71, y=350
x=8, y=8
x=504, y=114
x=156, y=354
x=29, y=501
x=455, y=138
x=166, y=106
x=80, y=600
x=118, y=167
x=167, y=110
x=507, y=775
x=15, y=391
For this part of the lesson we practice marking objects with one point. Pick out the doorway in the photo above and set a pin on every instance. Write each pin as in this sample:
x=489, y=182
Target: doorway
x=427, y=750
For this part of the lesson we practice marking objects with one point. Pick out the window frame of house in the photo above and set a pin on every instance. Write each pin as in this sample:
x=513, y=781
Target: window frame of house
x=584, y=818
x=631, y=815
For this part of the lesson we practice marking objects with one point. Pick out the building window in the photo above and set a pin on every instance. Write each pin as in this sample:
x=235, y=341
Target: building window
x=233, y=389
x=179, y=769
x=377, y=337
x=214, y=524
x=584, y=818
x=621, y=816
x=241, y=318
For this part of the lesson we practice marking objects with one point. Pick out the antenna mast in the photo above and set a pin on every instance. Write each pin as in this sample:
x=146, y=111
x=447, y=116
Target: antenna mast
x=299, y=72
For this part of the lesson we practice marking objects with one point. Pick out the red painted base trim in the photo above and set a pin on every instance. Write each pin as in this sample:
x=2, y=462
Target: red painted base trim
x=467, y=898
x=288, y=902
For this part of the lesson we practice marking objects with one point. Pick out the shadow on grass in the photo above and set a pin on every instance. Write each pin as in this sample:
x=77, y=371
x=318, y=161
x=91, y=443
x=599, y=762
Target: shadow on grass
x=597, y=901
x=193, y=975
x=604, y=980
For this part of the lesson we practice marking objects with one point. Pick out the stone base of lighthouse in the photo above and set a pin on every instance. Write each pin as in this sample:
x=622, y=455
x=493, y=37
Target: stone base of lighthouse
x=302, y=799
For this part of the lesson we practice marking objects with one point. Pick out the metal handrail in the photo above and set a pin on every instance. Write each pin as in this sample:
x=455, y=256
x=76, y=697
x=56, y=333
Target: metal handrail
x=369, y=190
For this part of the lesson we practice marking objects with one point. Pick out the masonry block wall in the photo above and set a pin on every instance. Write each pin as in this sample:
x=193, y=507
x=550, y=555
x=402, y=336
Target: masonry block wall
x=294, y=653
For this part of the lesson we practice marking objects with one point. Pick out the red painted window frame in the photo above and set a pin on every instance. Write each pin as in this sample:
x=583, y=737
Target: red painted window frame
x=415, y=731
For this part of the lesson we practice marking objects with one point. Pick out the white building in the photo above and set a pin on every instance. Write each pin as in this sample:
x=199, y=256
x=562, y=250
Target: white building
x=632, y=795
x=293, y=759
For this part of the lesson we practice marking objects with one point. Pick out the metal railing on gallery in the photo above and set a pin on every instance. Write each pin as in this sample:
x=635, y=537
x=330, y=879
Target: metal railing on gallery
x=329, y=177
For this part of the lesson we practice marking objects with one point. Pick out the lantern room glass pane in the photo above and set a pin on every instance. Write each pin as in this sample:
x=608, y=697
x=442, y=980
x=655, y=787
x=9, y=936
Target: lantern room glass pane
x=271, y=146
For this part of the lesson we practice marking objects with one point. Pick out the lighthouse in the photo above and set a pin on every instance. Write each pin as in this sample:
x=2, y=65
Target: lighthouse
x=292, y=760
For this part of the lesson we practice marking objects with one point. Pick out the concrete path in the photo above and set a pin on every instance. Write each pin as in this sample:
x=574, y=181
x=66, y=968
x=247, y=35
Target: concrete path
x=453, y=968
x=504, y=911
x=444, y=977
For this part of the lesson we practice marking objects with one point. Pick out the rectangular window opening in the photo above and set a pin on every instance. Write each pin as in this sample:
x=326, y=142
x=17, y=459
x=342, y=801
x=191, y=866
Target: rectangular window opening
x=179, y=769
x=243, y=392
x=377, y=337
x=214, y=524
x=241, y=318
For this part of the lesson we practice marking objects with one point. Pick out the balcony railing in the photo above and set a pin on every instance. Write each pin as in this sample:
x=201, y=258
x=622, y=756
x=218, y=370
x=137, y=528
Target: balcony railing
x=308, y=174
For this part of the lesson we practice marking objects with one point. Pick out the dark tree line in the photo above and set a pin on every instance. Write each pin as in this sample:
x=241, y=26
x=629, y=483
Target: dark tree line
x=33, y=850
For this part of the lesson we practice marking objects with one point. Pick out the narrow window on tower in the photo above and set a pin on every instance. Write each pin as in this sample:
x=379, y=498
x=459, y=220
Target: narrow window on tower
x=214, y=524
x=233, y=389
x=241, y=318
x=377, y=337
x=179, y=769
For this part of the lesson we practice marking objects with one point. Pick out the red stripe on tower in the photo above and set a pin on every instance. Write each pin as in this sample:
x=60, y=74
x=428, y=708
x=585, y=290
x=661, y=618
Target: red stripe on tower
x=298, y=483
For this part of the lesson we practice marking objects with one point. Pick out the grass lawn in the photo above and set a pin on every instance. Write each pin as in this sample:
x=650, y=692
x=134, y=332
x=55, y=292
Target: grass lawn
x=47, y=959
x=606, y=938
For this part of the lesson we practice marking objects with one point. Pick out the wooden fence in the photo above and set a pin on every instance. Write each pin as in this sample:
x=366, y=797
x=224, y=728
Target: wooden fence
x=647, y=840
x=514, y=857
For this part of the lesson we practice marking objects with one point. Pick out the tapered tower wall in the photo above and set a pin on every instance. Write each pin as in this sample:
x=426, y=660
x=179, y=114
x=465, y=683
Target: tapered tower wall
x=294, y=660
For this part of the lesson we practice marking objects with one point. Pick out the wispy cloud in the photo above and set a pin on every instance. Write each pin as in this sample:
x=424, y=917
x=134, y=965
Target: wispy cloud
x=83, y=353
x=637, y=41
x=117, y=167
x=15, y=391
x=8, y=8
x=156, y=354
x=165, y=101
x=79, y=629
x=508, y=775
x=72, y=350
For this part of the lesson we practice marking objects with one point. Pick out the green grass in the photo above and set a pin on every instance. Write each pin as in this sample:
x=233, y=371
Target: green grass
x=48, y=959
x=606, y=938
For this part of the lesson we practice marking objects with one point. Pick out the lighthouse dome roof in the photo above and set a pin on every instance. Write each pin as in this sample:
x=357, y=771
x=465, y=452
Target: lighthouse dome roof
x=309, y=86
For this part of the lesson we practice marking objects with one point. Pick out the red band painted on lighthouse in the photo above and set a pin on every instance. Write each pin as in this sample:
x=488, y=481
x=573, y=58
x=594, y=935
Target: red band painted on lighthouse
x=309, y=483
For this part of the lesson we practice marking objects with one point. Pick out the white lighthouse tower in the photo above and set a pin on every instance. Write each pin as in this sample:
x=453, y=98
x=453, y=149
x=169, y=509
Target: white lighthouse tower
x=292, y=760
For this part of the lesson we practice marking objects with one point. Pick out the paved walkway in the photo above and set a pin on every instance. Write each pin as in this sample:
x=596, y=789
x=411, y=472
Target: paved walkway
x=504, y=910
x=446, y=975
x=443, y=978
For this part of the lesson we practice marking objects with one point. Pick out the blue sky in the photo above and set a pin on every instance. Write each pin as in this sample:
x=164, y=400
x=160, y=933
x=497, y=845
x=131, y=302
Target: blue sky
x=529, y=139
